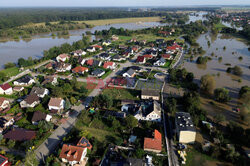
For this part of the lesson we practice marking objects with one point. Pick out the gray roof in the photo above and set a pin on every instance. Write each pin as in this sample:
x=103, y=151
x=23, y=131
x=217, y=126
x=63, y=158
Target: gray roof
x=38, y=90
x=130, y=72
x=162, y=60
x=147, y=92
x=97, y=71
x=183, y=121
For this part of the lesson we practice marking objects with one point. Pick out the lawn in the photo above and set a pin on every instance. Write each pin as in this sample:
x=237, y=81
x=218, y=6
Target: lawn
x=11, y=71
x=106, y=74
x=219, y=26
x=152, y=74
x=121, y=94
x=167, y=64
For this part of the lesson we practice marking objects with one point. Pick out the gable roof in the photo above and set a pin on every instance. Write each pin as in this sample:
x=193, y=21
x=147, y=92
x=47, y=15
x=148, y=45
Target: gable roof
x=117, y=57
x=62, y=56
x=165, y=56
x=71, y=153
x=130, y=72
x=97, y=71
x=20, y=134
x=90, y=62
x=5, y=86
x=38, y=116
x=154, y=143
x=79, y=69
x=148, y=56
x=55, y=102
x=26, y=79
x=30, y=99
x=106, y=64
x=38, y=90
x=2, y=99
x=148, y=92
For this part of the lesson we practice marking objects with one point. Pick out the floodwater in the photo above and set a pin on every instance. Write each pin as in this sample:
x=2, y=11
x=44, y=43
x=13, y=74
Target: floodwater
x=11, y=51
x=234, y=50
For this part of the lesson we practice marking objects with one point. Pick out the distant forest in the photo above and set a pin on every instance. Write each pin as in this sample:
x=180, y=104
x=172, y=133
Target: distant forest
x=14, y=17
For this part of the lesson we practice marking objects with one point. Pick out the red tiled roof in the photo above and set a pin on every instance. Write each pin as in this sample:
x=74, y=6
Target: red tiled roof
x=55, y=102
x=20, y=134
x=148, y=56
x=80, y=69
x=171, y=48
x=97, y=46
x=3, y=159
x=166, y=56
x=5, y=86
x=71, y=153
x=140, y=59
x=153, y=143
x=63, y=56
x=90, y=62
x=106, y=64
x=2, y=99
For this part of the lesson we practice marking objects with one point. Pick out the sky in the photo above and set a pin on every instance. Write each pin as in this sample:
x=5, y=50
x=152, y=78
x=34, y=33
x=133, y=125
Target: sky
x=95, y=3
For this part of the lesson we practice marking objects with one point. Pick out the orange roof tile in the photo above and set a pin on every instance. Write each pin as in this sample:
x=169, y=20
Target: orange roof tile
x=71, y=153
x=106, y=64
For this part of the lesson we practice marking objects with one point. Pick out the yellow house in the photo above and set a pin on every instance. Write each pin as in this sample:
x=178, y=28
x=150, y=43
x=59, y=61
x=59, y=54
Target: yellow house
x=185, y=129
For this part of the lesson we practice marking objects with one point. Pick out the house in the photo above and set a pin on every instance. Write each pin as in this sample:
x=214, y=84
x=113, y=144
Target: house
x=56, y=104
x=150, y=94
x=6, y=89
x=78, y=53
x=129, y=73
x=167, y=56
x=62, y=58
x=141, y=60
x=106, y=43
x=20, y=134
x=24, y=81
x=148, y=56
x=126, y=54
x=18, y=89
x=153, y=144
x=118, y=58
x=49, y=79
x=91, y=49
x=115, y=114
x=97, y=47
x=98, y=72
x=4, y=103
x=185, y=130
x=135, y=48
x=4, y=161
x=158, y=41
x=160, y=62
x=30, y=101
x=6, y=121
x=74, y=155
x=80, y=70
x=40, y=92
x=81, y=60
x=39, y=116
x=114, y=38
x=122, y=47
x=149, y=112
x=92, y=62
x=62, y=67
x=105, y=56
x=164, y=33
x=136, y=68
x=109, y=65
x=84, y=143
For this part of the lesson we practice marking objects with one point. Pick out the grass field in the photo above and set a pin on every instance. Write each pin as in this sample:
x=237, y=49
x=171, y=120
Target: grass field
x=122, y=20
x=120, y=94
x=10, y=72
x=219, y=26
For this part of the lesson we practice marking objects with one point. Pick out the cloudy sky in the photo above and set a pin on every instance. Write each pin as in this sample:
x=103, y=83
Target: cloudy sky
x=87, y=3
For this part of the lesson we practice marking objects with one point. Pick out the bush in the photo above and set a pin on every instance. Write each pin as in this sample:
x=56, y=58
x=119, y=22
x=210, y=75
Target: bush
x=236, y=70
x=9, y=65
x=202, y=60
x=207, y=84
x=221, y=95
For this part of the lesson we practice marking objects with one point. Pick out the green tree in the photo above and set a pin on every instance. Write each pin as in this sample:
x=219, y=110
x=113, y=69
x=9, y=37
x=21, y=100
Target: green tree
x=131, y=121
x=245, y=109
x=30, y=159
x=243, y=91
x=208, y=84
x=221, y=95
x=11, y=144
x=73, y=100
x=9, y=65
x=219, y=118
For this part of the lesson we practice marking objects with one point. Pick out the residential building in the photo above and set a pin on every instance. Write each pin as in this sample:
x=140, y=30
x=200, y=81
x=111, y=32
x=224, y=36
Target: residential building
x=56, y=104
x=105, y=56
x=62, y=58
x=114, y=38
x=40, y=92
x=148, y=56
x=6, y=121
x=92, y=62
x=91, y=49
x=18, y=89
x=20, y=134
x=39, y=116
x=109, y=65
x=4, y=103
x=106, y=43
x=4, y=161
x=80, y=70
x=160, y=62
x=118, y=58
x=167, y=56
x=149, y=112
x=141, y=60
x=6, y=89
x=150, y=94
x=49, y=79
x=78, y=53
x=62, y=67
x=84, y=143
x=24, y=81
x=185, y=130
x=115, y=114
x=30, y=101
x=81, y=60
x=129, y=73
x=98, y=72
x=97, y=47
x=153, y=144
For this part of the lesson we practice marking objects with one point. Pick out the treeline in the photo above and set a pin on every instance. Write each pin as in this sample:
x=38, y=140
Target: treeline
x=10, y=18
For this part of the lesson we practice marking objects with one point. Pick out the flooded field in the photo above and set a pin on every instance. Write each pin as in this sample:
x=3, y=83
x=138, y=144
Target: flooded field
x=230, y=57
